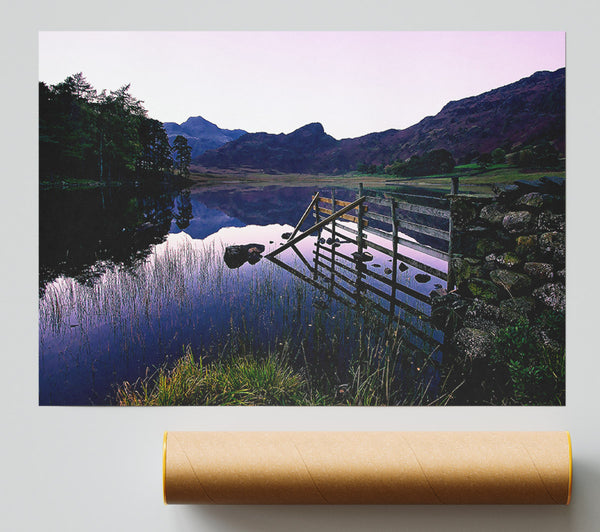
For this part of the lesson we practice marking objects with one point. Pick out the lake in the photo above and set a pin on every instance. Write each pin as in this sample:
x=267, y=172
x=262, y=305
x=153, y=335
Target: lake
x=130, y=279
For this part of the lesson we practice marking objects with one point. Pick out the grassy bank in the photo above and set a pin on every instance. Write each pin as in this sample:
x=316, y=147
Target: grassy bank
x=271, y=379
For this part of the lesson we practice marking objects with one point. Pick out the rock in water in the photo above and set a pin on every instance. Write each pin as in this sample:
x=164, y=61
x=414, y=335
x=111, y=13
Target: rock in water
x=422, y=277
x=403, y=267
x=237, y=255
x=285, y=236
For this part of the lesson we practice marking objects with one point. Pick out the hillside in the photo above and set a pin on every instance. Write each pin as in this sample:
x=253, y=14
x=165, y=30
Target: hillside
x=521, y=113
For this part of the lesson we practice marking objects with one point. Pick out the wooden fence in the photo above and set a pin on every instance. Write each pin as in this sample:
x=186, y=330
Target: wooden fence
x=391, y=217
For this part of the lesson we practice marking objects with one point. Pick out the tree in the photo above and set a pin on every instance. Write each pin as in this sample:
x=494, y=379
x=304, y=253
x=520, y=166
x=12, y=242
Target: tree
x=498, y=156
x=182, y=155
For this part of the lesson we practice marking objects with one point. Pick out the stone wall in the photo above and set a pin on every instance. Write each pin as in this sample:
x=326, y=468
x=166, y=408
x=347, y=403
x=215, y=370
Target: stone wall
x=508, y=261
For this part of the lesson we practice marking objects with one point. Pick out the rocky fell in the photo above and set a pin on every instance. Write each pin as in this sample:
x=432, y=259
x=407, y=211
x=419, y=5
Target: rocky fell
x=201, y=134
x=525, y=112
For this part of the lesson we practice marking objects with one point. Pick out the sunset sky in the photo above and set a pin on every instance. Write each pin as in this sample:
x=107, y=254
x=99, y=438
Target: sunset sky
x=352, y=82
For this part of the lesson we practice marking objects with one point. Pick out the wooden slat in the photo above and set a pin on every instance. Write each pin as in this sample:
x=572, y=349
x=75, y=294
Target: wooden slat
x=432, y=252
x=348, y=217
x=423, y=229
x=429, y=211
x=341, y=203
x=379, y=217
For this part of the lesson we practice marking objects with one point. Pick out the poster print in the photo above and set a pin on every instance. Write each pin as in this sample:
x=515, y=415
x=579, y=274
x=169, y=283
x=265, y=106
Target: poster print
x=302, y=218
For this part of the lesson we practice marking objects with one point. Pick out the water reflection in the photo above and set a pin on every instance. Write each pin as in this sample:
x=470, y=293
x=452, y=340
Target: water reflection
x=129, y=278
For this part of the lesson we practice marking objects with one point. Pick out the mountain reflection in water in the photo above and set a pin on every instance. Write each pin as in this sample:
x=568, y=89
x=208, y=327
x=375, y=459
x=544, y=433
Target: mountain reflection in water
x=128, y=279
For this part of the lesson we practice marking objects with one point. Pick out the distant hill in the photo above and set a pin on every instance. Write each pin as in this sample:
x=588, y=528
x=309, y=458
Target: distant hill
x=526, y=112
x=201, y=134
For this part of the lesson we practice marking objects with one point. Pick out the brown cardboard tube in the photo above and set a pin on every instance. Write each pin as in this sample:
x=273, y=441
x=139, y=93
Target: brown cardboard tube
x=367, y=467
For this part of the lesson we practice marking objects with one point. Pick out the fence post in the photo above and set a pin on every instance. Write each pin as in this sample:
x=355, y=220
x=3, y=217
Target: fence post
x=451, y=277
x=360, y=220
x=394, y=258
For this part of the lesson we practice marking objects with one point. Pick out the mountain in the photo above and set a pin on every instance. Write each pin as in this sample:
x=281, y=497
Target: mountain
x=201, y=134
x=528, y=111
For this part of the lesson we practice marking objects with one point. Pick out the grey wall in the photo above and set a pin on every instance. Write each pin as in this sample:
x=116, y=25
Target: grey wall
x=99, y=469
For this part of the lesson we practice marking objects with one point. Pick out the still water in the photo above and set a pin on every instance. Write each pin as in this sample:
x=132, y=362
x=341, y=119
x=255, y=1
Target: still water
x=128, y=280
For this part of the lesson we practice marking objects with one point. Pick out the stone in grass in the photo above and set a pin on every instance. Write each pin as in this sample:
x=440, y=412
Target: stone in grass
x=514, y=283
x=517, y=221
x=514, y=309
x=474, y=343
x=551, y=295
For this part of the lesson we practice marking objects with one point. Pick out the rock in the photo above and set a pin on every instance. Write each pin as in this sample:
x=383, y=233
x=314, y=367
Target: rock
x=335, y=245
x=514, y=283
x=422, y=278
x=540, y=271
x=365, y=256
x=535, y=200
x=517, y=221
x=551, y=222
x=511, y=310
x=483, y=310
x=387, y=271
x=506, y=193
x=526, y=245
x=286, y=236
x=270, y=241
x=237, y=255
x=474, y=343
x=561, y=275
x=508, y=259
x=482, y=289
x=554, y=184
x=493, y=214
x=329, y=240
x=321, y=240
x=529, y=186
x=376, y=265
x=438, y=292
x=551, y=295
x=552, y=244
x=403, y=267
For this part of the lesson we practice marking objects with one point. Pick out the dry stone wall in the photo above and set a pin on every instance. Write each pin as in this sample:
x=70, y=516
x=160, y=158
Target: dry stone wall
x=508, y=262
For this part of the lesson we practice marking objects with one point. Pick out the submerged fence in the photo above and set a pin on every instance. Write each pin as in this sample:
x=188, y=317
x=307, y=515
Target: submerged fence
x=407, y=229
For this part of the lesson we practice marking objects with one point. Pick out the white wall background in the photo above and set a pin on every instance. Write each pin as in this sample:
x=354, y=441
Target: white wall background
x=99, y=469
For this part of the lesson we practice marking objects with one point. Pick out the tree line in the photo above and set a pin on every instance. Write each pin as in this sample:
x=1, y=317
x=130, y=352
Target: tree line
x=104, y=135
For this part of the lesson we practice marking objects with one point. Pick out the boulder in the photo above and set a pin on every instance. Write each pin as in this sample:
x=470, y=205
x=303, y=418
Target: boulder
x=551, y=295
x=506, y=193
x=463, y=211
x=517, y=221
x=514, y=283
x=237, y=255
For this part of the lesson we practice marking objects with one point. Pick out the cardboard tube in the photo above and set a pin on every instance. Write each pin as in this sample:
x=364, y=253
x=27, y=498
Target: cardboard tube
x=367, y=467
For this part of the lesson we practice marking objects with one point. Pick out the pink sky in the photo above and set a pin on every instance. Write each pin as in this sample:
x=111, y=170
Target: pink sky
x=352, y=82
